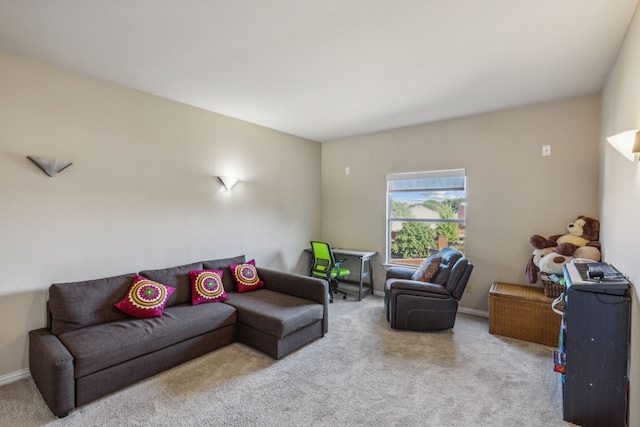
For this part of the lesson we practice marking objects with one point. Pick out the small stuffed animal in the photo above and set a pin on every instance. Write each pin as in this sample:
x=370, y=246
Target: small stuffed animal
x=533, y=267
x=552, y=263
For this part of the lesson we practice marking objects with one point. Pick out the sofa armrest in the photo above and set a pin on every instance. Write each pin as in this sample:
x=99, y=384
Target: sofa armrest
x=400, y=273
x=297, y=285
x=51, y=367
x=415, y=286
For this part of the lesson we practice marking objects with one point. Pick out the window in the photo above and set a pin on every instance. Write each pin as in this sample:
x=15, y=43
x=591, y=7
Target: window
x=425, y=212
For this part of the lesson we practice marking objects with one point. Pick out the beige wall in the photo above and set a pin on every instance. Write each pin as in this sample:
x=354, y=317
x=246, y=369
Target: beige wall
x=512, y=191
x=620, y=188
x=141, y=192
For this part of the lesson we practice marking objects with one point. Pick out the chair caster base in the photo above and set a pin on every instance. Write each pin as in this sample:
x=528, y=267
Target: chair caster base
x=336, y=292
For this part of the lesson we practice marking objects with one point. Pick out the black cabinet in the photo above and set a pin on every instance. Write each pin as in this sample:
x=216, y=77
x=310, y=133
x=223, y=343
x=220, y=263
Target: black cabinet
x=595, y=341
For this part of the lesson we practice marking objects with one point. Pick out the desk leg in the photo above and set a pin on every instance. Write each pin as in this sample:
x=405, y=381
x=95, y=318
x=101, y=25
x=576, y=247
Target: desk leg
x=361, y=279
x=362, y=276
x=370, y=277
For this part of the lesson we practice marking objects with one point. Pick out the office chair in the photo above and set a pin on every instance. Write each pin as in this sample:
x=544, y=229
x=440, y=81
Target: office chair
x=326, y=267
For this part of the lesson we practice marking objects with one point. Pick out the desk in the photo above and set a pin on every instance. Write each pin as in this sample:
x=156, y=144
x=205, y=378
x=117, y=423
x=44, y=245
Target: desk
x=365, y=258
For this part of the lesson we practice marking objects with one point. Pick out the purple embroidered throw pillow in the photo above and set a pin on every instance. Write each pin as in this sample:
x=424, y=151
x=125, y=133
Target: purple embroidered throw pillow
x=145, y=298
x=246, y=276
x=206, y=286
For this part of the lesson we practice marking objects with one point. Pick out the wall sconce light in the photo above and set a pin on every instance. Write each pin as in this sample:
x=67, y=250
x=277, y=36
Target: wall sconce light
x=228, y=181
x=627, y=143
x=48, y=165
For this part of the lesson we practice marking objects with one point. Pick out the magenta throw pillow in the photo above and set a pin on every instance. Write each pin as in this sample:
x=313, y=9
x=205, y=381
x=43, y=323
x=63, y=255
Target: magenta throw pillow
x=145, y=298
x=206, y=286
x=246, y=276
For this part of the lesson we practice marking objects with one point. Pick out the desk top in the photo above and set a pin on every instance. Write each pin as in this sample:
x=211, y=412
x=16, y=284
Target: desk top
x=354, y=252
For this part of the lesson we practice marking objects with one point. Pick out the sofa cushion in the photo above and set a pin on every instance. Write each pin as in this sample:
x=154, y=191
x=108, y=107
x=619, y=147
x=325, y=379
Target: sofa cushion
x=75, y=305
x=101, y=346
x=145, y=298
x=223, y=264
x=274, y=313
x=176, y=277
x=246, y=276
x=206, y=286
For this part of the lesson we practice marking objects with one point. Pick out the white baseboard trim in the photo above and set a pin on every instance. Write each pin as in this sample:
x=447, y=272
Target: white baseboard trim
x=473, y=312
x=14, y=376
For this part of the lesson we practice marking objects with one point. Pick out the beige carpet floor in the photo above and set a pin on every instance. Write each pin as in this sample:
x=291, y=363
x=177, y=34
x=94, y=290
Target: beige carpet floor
x=362, y=373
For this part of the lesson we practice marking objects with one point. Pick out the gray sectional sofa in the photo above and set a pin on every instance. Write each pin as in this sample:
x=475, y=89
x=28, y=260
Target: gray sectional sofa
x=90, y=349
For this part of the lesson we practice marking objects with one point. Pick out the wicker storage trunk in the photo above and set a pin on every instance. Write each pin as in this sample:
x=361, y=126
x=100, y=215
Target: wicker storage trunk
x=523, y=312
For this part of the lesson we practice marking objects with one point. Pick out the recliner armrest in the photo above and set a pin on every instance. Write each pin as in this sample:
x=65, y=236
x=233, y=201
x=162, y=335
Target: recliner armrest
x=400, y=273
x=417, y=286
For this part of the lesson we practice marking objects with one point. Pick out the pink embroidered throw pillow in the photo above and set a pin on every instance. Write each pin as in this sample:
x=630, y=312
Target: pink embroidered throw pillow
x=206, y=286
x=145, y=298
x=246, y=276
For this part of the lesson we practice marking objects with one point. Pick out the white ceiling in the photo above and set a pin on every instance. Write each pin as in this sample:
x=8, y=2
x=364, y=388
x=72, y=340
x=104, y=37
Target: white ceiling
x=328, y=69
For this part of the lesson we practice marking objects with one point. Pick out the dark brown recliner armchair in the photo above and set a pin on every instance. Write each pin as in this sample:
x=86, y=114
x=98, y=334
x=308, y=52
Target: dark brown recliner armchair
x=427, y=306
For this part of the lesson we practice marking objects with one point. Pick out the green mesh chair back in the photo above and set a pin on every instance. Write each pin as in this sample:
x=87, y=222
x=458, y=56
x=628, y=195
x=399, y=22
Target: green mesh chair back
x=326, y=267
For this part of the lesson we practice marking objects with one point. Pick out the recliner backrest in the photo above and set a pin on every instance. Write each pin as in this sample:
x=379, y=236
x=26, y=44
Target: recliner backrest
x=459, y=277
x=449, y=257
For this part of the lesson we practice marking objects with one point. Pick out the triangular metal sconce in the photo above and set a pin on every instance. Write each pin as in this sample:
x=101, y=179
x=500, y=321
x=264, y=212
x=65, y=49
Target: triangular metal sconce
x=627, y=143
x=48, y=165
x=228, y=181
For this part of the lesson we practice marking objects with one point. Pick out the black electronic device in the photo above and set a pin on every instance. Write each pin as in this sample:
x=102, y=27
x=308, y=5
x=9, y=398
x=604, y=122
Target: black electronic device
x=595, y=277
x=602, y=270
x=595, y=274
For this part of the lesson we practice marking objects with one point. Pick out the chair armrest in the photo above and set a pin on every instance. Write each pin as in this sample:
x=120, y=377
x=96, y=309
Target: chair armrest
x=400, y=273
x=339, y=263
x=414, y=286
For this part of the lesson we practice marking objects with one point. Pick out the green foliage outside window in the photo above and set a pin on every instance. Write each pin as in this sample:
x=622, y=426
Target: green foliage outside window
x=414, y=240
x=418, y=239
x=448, y=229
x=400, y=209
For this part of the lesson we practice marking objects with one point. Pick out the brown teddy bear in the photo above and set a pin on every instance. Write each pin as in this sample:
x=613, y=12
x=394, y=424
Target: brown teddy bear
x=550, y=254
x=584, y=231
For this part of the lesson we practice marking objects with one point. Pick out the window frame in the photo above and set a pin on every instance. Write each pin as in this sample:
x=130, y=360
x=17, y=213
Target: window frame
x=440, y=180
